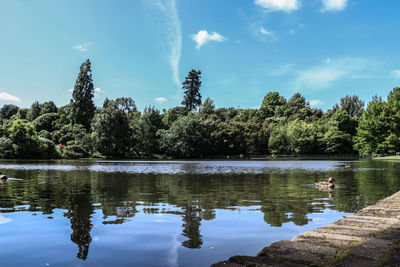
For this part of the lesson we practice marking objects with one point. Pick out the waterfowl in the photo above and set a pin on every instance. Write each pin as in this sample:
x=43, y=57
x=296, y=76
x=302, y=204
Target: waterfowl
x=348, y=165
x=326, y=185
x=3, y=177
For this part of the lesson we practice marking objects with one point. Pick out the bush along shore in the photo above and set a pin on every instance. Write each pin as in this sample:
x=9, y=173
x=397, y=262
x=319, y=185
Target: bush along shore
x=197, y=129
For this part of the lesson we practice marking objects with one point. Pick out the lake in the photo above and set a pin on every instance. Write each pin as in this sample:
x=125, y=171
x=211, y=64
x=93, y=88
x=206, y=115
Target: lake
x=172, y=213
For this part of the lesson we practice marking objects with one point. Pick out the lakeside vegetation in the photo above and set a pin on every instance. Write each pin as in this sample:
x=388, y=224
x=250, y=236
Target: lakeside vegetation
x=197, y=129
x=396, y=157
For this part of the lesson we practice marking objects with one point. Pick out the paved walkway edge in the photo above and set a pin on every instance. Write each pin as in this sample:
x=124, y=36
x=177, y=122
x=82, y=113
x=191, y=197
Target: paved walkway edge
x=370, y=237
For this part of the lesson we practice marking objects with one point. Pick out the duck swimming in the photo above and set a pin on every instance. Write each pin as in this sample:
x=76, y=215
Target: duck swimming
x=3, y=177
x=326, y=185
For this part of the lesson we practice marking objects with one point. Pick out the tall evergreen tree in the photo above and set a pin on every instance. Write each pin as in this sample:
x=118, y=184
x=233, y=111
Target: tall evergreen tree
x=191, y=85
x=82, y=105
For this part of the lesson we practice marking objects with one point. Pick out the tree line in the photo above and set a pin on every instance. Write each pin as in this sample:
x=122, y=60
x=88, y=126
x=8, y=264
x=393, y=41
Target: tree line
x=197, y=129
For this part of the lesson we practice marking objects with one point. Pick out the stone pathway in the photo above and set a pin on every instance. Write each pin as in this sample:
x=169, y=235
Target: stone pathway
x=370, y=237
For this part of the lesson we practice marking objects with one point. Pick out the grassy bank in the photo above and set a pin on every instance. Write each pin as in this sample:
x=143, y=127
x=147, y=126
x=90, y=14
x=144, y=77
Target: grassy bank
x=388, y=158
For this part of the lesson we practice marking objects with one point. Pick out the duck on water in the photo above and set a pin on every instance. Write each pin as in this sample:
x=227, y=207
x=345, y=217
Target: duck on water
x=3, y=178
x=326, y=185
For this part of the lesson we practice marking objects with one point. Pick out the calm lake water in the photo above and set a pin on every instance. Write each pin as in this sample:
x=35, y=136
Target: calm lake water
x=172, y=213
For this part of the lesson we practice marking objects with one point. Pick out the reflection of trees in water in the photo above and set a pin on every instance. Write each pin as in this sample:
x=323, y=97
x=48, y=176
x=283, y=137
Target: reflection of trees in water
x=191, y=227
x=282, y=196
x=79, y=214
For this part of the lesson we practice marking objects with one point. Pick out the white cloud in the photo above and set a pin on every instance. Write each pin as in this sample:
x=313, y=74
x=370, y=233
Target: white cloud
x=7, y=97
x=323, y=76
x=279, y=5
x=270, y=34
x=160, y=100
x=318, y=77
x=98, y=90
x=395, y=74
x=173, y=253
x=279, y=70
x=203, y=37
x=173, y=33
x=4, y=220
x=333, y=5
x=82, y=47
x=71, y=90
x=316, y=103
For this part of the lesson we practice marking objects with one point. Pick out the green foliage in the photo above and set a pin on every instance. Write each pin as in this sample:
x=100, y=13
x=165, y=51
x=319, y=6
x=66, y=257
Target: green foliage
x=191, y=85
x=119, y=130
x=49, y=148
x=353, y=105
x=48, y=107
x=246, y=114
x=279, y=142
x=297, y=108
x=302, y=138
x=21, y=114
x=74, y=152
x=146, y=132
x=7, y=111
x=337, y=142
x=374, y=128
x=45, y=122
x=68, y=133
x=345, y=122
x=63, y=119
x=297, y=137
x=113, y=133
x=45, y=134
x=226, y=113
x=185, y=138
x=6, y=148
x=82, y=106
x=208, y=107
x=272, y=105
x=34, y=111
x=172, y=115
x=25, y=141
x=88, y=143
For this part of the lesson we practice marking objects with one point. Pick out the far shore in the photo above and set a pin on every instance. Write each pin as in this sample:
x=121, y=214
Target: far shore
x=394, y=157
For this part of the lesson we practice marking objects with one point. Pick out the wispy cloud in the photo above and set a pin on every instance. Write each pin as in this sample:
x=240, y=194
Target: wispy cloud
x=160, y=100
x=173, y=33
x=395, y=74
x=270, y=34
x=173, y=253
x=333, y=5
x=279, y=5
x=97, y=91
x=332, y=70
x=279, y=70
x=203, y=37
x=82, y=47
x=7, y=97
x=4, y=220
x=316, y=103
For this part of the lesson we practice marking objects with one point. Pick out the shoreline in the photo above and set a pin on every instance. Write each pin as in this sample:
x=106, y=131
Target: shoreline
x=391, y=158
x=370, y=237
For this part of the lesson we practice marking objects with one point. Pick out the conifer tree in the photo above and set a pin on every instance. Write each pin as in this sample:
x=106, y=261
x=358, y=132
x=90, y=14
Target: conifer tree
x=82, y=105
x=191, y=85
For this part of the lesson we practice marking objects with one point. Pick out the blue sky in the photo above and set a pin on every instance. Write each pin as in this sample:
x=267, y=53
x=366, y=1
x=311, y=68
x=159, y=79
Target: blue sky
x=143, y=49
